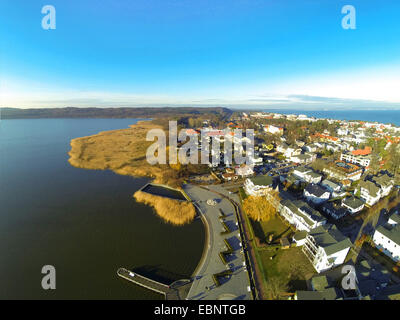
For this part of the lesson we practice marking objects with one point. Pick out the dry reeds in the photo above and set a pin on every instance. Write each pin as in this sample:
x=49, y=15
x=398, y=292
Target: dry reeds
x=172, y=211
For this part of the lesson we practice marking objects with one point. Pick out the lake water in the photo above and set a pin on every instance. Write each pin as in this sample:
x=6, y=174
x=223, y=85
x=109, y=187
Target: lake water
x=84, y=222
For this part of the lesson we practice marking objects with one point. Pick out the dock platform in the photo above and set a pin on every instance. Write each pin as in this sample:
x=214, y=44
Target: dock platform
x=175, y=291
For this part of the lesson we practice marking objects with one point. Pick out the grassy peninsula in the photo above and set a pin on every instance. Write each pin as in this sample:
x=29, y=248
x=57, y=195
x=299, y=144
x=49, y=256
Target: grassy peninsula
x=124, y=152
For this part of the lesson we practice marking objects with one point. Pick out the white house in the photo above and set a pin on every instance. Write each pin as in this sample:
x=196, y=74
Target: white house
x=304, y=158
x=326, y=247
x=259, y=185
x=310, y=148
x=342, y=131
x=273, y=129
x=307, y=175
x=362, y=160
x=394, y=219
x=244, y=171
x=300, y=215
x=316, y=194
x=385, y=183
x=330, y=185
x=369, y=192
x=288, y=151
x=388, y=240
x=353, y=204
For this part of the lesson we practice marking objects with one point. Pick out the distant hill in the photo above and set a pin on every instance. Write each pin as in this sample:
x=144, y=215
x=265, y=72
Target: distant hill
x=146, y=112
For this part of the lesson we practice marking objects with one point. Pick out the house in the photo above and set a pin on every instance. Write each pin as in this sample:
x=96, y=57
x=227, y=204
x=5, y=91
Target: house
x=259, y=185
x=327, y=294
x=316, y=194
x=311, y=147
x=282, y=147
x=384, y=182
x=334, y=210
x=362, y=160
x=301, y=172
x=300, y=214
x=342, y=131
x=321, y=289
x=307, y=175
x=353, y=204
x=387, y=239
x=229, y=176
x=330, y=186
x=341, y=170
x=326, y=247
x=394, y=219
x=369, y=192
x=244, y=171
x=304, y=158
x=299, y=238
x=288, y=151
x=332, y=147
x=273, y=129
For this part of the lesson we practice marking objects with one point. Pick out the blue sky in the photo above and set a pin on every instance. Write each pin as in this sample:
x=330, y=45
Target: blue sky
x=200, y=52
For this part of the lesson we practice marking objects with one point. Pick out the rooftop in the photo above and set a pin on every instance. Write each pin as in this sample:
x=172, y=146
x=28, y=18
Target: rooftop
x=327, y=294
x=315, y=189
x=330, y=239
x=372, y=188
x=264, y=180
x=353, y=202
x=392, y=233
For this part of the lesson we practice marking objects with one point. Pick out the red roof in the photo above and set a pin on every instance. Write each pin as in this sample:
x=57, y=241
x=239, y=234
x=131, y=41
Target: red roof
x=362, y=152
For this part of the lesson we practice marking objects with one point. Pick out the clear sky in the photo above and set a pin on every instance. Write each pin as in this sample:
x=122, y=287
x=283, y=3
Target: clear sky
x=286, y=53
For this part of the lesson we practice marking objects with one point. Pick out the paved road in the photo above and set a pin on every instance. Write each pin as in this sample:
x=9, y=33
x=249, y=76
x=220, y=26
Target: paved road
x=236, y=287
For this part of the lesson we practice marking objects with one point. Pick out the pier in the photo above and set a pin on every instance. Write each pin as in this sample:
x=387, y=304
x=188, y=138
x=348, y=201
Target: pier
x=175, y=291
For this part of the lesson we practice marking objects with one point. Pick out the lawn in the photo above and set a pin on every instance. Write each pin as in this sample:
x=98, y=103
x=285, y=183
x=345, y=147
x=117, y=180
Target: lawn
x=274, y=226
x=291, y=267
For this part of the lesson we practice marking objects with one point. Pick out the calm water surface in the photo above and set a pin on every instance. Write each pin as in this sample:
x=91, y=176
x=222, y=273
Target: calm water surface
x=83, y=222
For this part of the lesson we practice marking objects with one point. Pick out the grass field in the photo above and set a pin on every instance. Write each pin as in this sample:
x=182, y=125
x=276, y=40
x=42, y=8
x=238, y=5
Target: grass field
x=289, y=267
x=274, y=226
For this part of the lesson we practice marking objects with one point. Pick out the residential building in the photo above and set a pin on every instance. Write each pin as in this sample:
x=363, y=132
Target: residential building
x=353, y=204
x=341, y=170
x=316, y=194
x=229, y=176
x=244, y=171
x=326, y=294
x=334, y=210
x=330, y=186
x=273, y=129
x=300, y=215
x=369, y=192
x=304, y=158
x=387, y=239
x=384, y=182
x=259, y=185
x=361, y=160
x=326, y=247
x=307, y=175
x=394, y=219
x=310, y=148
